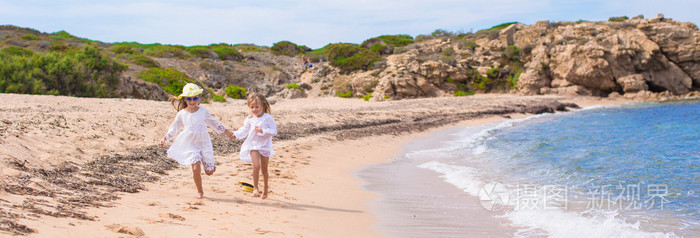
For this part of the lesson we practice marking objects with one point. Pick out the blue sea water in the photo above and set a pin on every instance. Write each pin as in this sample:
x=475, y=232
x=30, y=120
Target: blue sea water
x=629, y=170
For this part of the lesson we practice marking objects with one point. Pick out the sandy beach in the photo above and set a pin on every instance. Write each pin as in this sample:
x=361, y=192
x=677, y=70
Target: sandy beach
x=92, y=166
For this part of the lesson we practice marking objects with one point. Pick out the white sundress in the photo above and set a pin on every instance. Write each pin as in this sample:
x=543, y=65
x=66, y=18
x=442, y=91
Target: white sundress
x=193, y=143
x=262, y=142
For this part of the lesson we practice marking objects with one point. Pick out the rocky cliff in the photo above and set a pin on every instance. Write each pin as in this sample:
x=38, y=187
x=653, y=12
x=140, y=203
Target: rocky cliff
x=634, y=57
x=631, y=57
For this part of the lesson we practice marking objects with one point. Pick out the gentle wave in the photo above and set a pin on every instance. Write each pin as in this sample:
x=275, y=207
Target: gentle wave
x=583, y=162
x=551, y=222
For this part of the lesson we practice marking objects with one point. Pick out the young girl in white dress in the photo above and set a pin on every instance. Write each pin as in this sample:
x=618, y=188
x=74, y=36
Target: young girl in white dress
x=258, y=128
x=193, y=145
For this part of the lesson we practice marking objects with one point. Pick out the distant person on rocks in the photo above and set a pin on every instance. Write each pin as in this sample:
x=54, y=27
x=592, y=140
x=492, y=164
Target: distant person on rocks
x=258, y=130
x=193, y=145
x=306, y=62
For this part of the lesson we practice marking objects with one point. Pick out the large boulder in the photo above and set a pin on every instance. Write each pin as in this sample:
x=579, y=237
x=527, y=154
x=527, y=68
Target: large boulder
x=633, y=83
x=680, y=43
x=583, y=65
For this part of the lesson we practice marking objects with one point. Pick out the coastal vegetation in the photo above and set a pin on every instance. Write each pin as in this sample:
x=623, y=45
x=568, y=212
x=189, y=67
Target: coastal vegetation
x=82, y=72
x=170, y=80
x=491, y=60
x=236, y=92
x=288, y=48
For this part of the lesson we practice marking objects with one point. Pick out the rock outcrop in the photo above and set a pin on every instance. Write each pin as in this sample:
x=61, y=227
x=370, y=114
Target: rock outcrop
x=625, y=56
x=582, y=58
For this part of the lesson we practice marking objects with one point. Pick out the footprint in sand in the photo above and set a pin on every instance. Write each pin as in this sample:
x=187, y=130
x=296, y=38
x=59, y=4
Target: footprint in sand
x=191, y=208
x=217, y=190
x=176, y=217
x=129, y=230
x=262, y=232
x=197, y=203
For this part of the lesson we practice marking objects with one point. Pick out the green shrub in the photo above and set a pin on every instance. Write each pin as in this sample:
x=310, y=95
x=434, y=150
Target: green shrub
x=236, y=92
x=378, y=48
x=513, y=80
x=16, y=51
x=396, y=40
x=502, y=26
x=288, y=48
x=122, y=49
x=60, y=47
x=493, y=72
x=387, y=97
x=199, y=51
x=441, y=33
x=158, y=50
x=351, y=57
x=344, y=94
x=86, y=72
x=449, y=80
x=460, y=93
x=219, y=98
x=170, y=80
x=145, y=61
x=618, y=19
x=30, y=37
x=226, y=52
x=367, y=96
x=62, y=35
x=294, y=86
x=249, y=48
x=318, y=54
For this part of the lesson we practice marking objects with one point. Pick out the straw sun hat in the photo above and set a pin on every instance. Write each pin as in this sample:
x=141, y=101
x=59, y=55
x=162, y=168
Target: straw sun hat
x=190, y=90
x=246, y=186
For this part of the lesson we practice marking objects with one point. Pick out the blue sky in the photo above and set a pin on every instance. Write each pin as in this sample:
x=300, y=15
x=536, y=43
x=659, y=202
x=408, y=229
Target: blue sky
x=313, y=23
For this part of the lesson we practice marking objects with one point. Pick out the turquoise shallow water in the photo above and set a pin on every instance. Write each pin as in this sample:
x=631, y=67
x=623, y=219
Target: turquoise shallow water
x=630, y=170
x=642, y=159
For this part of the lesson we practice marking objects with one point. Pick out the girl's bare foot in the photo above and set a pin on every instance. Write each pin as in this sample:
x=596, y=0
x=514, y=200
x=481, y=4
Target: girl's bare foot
x=199, y=196
x=210, y=172
x=264, y=195
x=256, y=193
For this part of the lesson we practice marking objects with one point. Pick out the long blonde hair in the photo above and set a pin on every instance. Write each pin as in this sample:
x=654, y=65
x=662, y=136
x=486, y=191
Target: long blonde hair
x=262, y=100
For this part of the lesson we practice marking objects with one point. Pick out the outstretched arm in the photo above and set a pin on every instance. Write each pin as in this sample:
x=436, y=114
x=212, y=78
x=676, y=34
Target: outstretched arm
x=174, y=129
x=214, y=124
x=242, y=132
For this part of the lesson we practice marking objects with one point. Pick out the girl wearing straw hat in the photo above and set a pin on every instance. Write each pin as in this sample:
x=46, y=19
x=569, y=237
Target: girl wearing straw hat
x=193, y=145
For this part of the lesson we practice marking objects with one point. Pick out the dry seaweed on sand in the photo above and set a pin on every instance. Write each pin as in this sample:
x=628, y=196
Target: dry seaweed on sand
x=71, y=187
x=14, y=228
x=67, y=188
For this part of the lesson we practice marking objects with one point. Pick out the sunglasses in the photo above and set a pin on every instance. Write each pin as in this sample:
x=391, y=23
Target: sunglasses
x=192, y=99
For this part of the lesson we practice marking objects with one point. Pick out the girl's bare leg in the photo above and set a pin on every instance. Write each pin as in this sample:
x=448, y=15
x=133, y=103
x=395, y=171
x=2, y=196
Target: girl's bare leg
x=256, y=171
x=196, y=173
x=263, y=168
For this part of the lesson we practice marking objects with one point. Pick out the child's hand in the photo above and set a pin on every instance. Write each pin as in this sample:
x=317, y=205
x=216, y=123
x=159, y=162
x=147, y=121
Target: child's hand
x=257, y=129
x=230, y=134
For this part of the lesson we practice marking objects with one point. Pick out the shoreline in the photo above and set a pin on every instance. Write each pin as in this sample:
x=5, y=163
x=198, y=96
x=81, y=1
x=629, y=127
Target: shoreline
x=314, y=191
x=409, y=211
